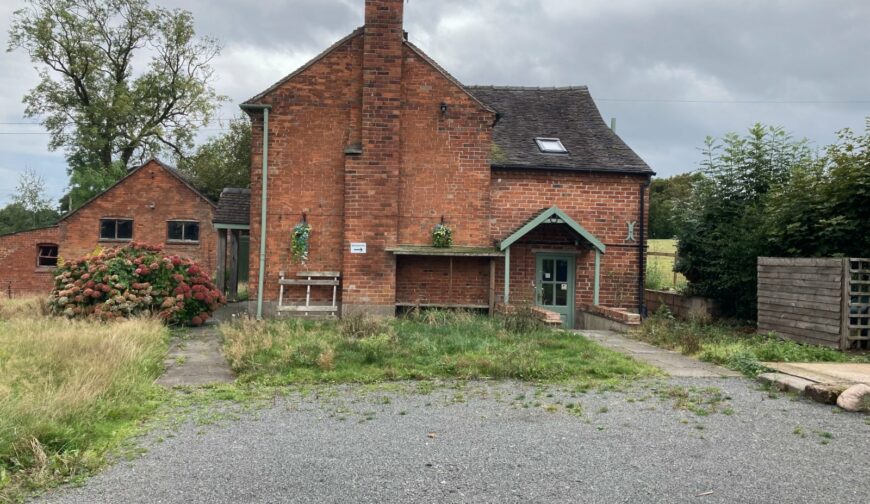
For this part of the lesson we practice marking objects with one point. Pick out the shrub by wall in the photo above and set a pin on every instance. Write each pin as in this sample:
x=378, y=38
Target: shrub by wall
x=137, y=279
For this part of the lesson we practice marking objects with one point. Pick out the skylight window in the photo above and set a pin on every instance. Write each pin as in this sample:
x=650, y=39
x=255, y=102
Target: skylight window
x=551, y=146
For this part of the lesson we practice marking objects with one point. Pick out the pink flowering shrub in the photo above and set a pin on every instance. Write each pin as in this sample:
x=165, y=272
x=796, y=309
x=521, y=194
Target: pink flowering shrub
x=134, y=280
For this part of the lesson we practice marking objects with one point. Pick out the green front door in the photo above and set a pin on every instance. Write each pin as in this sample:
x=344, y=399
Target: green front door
x=555, y=285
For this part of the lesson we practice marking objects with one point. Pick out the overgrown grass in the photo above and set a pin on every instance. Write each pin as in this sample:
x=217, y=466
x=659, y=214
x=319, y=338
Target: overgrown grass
x=422, y=345
x=660, y=270
x=735, y=347
x=69, y=391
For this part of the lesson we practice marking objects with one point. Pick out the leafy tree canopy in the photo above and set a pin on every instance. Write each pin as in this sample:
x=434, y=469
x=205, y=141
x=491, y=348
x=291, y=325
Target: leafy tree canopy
x=30, y=208
x=93, y=103
x=223, y=161
x=668, y=198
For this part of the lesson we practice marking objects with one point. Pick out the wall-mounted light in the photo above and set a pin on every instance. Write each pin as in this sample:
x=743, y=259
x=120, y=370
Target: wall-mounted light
x=443, y=108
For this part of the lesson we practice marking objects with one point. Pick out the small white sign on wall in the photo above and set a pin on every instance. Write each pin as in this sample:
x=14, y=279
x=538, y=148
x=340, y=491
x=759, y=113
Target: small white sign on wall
x=358, y=248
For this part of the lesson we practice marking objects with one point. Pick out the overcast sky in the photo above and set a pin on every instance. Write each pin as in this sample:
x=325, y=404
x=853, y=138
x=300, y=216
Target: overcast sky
x=670, y=71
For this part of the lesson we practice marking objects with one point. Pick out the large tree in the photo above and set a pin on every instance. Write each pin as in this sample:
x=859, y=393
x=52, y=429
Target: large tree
x=223, y=161
x=724, y=230
x=90, y=98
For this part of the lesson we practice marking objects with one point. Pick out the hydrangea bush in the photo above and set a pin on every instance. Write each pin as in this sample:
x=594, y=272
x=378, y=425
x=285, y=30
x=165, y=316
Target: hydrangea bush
x=135, y=280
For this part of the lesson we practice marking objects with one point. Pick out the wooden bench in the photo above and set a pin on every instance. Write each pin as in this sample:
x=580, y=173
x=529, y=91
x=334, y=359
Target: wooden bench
x=310, y=279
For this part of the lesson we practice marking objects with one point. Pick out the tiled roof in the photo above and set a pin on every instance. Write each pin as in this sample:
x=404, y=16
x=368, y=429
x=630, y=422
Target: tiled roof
x=568, y=114
x=234, y=207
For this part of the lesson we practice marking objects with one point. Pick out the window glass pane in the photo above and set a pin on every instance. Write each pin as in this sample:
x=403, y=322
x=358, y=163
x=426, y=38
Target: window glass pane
x=47, y=255
x=175, y=230
x=107, y=229
x=191, y=231
x=548, y=295
x=561, y=270
x=125, y=229
x=562, y=294
x=547, y=270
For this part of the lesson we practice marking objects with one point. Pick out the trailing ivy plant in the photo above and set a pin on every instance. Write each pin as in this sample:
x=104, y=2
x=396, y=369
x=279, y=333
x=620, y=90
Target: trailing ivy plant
x=299, y=241
x=442, y=236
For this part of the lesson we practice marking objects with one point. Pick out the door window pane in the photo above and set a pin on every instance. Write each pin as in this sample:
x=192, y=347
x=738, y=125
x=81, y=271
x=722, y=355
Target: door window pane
x=562, y=294
x=548, y=295
x=547, y=270
x=561, y=270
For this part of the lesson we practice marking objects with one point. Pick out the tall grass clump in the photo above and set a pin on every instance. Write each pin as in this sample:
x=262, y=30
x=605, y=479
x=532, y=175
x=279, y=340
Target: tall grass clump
x=737, y=347
x=424, y=344
x=69, y=391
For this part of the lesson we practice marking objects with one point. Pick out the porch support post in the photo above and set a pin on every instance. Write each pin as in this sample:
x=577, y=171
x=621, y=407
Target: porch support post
x=492, y=286
x=233, y=288
x=597, y=277
x=221, y=260
x=507, y=276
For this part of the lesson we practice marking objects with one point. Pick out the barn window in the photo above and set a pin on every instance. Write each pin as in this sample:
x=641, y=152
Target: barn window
x=187, y=231
x=116, y=229
x=46, y=256
x=551, y=146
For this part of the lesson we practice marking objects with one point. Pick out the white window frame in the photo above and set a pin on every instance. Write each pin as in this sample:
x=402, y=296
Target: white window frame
x=184, y=223
x=541, y=141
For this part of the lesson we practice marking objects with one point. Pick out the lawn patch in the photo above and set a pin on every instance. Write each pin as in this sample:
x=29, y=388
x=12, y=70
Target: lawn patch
x=422, y=346
x=735, y=347
x=69, y=392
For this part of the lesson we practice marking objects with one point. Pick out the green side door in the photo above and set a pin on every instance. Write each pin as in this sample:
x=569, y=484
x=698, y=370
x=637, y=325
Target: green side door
x=554, y=276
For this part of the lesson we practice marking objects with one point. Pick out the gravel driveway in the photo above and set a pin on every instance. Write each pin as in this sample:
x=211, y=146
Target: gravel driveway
x=504, y=442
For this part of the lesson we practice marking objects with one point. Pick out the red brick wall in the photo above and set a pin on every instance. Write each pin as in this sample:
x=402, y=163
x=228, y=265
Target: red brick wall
x=445, y=170
x=19, y=274
x=313, y=119
x=601, y=203
x=427, y=280
x=150, y=196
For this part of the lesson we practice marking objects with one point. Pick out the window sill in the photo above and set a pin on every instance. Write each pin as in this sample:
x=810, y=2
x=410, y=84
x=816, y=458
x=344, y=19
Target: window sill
x=182, y=242
x=45, y=269
x=115, y=240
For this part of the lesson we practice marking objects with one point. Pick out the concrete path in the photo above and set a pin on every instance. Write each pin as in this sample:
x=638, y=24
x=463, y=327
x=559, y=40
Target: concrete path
x=196, y=360
x=673, y=363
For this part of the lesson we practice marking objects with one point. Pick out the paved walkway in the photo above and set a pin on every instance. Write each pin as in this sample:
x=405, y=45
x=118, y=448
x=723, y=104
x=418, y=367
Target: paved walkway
x=196, y=360
x=673, y=363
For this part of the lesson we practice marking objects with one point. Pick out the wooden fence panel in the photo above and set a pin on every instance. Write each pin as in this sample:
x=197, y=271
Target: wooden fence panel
x=802, y=299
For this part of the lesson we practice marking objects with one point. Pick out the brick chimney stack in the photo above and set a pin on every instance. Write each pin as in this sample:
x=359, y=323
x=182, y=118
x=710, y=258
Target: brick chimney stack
x=372, y=178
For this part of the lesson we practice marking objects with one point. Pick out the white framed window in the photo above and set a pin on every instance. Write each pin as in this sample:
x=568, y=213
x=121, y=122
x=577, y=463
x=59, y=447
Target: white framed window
x=182, y=231
x=551, y=146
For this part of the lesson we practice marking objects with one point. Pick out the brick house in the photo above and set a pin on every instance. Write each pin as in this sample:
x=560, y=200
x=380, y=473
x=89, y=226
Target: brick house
x=152, y=204
x=373, y=144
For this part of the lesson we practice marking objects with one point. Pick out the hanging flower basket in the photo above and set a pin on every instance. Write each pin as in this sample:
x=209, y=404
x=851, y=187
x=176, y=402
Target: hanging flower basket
x=442, y=236
x=299, y=241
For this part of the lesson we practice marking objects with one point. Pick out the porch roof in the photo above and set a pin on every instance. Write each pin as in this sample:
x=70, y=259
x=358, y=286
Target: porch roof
x=428, y=250
x=552, y=215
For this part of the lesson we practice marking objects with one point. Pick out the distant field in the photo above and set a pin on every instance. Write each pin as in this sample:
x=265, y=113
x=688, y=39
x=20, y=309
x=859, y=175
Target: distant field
x=660, y=270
